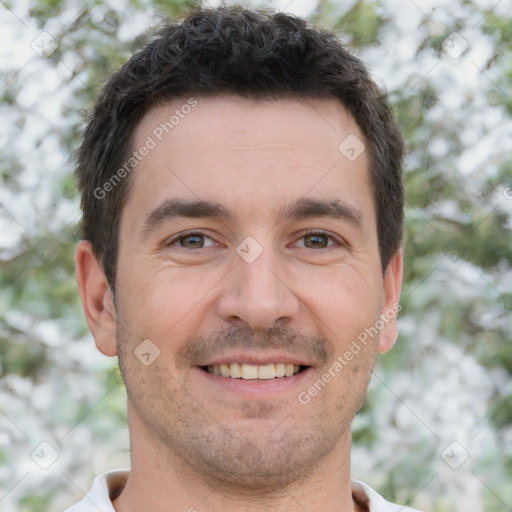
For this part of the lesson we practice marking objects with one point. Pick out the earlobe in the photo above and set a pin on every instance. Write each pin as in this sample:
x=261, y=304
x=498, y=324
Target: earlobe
x=97, y=299
x=391, y=288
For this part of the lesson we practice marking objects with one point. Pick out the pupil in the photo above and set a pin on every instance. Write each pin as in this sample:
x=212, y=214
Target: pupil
x=194, y=241
x=317, y=240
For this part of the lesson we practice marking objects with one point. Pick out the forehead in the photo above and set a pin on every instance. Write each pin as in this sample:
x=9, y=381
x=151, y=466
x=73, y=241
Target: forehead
x=249, y=153
x=248, y=121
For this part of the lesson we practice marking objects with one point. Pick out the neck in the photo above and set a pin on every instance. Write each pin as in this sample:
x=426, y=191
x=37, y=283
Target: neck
x=162, y=481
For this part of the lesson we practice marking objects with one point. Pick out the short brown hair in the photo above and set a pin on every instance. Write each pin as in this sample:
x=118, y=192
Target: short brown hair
x=248, y=53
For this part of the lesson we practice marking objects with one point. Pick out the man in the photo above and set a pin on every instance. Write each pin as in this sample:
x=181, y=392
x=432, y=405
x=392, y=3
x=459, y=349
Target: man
x=242, y=220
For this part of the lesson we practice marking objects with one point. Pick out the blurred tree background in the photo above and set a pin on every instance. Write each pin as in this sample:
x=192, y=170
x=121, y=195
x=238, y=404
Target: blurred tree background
x=436, y=432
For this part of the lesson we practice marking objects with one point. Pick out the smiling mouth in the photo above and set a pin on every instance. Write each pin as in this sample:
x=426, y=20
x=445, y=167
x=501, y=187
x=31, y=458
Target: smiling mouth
x=254, y=372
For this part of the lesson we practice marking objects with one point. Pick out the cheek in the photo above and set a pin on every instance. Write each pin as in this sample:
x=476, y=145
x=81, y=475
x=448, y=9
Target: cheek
x=346, y=300
x=162, y=301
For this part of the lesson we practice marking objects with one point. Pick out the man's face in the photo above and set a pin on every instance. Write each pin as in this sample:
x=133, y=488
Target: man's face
x=276, y=263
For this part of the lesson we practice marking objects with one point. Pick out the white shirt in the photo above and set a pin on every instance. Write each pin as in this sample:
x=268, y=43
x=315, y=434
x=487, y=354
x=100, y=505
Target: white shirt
x=109, y=484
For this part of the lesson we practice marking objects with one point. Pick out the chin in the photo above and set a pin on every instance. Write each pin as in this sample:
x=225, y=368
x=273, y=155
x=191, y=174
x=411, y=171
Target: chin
x=246, y=458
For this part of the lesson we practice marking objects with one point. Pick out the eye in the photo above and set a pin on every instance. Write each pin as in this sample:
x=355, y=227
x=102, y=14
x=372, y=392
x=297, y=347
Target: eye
x=318, y=240
x=192, y=240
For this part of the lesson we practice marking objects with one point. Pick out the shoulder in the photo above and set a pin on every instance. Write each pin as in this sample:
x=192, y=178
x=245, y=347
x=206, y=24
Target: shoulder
x=376, y=503
x=103, y=489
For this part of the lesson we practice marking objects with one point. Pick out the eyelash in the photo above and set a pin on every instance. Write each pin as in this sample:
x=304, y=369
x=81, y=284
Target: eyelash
x=181, y=236
x=320, y=232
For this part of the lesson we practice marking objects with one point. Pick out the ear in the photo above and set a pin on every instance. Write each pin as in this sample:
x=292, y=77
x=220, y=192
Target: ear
x=97, y=299
x=390, y=305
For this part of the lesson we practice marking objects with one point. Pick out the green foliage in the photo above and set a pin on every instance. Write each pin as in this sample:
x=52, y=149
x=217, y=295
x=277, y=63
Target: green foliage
x=361, y=24
x=454, y=229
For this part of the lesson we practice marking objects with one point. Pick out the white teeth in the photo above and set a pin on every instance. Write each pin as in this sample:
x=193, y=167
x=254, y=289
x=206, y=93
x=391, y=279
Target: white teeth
x=251, y=371
x=267, y=371
x=235, y=370
x=280, y=370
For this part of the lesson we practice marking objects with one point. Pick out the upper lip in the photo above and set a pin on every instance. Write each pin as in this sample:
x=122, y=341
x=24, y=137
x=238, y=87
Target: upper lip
x=258, y=358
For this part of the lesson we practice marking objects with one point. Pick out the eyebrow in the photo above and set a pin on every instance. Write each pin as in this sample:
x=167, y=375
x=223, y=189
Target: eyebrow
x=335, y=209
x=301, y=209
x=176, y=208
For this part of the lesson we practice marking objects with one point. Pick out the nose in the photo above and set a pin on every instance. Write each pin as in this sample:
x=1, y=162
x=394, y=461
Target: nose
x=257, y=295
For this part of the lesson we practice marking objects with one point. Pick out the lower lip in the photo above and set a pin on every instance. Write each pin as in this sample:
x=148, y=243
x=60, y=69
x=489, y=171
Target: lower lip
x=256, y=388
